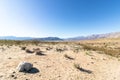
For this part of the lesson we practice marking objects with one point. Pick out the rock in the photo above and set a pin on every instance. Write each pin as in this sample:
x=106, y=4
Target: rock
x=24, y=66
x=12, y=75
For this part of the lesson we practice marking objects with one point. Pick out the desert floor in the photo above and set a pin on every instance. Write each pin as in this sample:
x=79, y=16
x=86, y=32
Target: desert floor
x=55, y=66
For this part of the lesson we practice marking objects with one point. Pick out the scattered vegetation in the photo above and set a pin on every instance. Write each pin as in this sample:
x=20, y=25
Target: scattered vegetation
x=111, y=52
x=49, y=48
x=76, y=49
x=88, y=53
x=39, y=53
x=36, y=49
x=27, y=42
x=29, y=51
x=23, y=48
x=59, y=50
x=77, y=66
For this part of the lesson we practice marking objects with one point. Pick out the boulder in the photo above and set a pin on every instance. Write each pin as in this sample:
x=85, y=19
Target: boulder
x=24, y=67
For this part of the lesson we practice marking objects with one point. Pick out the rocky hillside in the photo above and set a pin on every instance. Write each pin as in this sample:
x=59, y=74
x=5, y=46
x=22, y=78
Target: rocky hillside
x=97, y=36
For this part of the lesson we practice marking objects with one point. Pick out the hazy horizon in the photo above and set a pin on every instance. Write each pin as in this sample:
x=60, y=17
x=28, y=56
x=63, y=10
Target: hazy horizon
x=58, y=18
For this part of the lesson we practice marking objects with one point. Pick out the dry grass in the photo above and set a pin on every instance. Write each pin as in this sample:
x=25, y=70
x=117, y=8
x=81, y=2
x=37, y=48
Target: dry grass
x=77, y=66
x=105, y=50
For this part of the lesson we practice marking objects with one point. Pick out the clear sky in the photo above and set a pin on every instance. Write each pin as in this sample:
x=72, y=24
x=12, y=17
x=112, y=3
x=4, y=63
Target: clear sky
x=61, y=18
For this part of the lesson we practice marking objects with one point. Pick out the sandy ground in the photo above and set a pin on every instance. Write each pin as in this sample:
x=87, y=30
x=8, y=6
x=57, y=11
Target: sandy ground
x=55, y=66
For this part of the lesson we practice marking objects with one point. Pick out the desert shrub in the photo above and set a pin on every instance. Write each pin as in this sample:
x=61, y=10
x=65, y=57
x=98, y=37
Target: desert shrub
x=59, y=50
x=23, y=48
x=77, y=66
x=36, y=49
x=88, y=53
x=29, y=51
x=39, y=53
x=76, y=49
x=49, y=48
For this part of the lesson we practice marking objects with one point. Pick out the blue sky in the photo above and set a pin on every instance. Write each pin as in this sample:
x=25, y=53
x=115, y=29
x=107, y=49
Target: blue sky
x=61, y=18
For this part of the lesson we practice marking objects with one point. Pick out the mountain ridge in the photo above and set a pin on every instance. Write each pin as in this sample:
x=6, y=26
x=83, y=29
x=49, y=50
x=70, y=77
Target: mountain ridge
x=97, y=36
x=90, y=37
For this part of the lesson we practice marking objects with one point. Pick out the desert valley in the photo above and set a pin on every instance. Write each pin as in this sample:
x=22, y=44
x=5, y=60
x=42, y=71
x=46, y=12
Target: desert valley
x=59, y=39
x=97, y=59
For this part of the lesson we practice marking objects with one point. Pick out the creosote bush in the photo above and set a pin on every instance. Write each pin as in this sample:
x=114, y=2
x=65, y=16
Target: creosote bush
x=29, y=51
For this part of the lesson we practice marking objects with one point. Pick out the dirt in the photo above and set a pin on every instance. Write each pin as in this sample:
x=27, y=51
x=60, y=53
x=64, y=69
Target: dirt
x=55, y=66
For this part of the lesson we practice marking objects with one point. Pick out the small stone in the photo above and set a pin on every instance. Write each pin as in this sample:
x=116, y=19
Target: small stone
x=12, y=75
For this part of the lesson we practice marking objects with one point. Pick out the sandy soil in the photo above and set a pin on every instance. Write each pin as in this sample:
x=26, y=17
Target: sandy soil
x=55, y=66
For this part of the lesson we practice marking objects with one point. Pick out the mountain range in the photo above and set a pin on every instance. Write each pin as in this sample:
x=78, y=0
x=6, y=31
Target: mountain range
x=90, y=37
x=97, y=36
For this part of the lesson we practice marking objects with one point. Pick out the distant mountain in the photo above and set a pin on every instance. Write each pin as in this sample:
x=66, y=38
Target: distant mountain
x=30, y=38
x=49, y=39
x=96, y=36
x=14, y=38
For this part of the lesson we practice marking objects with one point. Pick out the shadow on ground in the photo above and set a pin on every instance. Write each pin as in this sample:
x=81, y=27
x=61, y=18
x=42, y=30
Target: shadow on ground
x=33, y=71
x=85, y=70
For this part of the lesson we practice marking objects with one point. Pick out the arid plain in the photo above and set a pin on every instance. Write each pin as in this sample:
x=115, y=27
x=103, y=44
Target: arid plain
x=79, y=60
